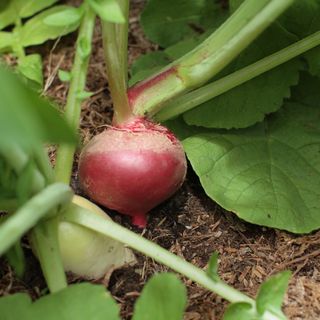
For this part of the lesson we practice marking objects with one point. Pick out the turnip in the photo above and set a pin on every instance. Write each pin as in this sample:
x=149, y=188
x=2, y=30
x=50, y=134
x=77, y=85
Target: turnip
x=87, y=253
x=133, y=167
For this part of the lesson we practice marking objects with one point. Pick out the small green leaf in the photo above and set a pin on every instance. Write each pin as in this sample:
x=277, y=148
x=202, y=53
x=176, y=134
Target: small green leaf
x=84, y=95
x=166, y=22
x=31, y=67
x=79, y=301
x=271, y=293
x=36, y=31
x=163, y=297
x=240, y=311
x=16, y=259
x=108, y=10
x=212, y=270
x=6, y=40
x=64, y=76
x=64, y=18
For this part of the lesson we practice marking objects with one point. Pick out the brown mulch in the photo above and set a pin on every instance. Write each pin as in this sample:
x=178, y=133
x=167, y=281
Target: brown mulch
x=189, y=224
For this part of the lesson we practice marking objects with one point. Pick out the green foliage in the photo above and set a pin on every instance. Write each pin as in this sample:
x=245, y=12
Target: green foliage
x=267, y=174
x=15, y=257
x=271, y=294
x=64, y=76
x=240, y=311
x=31, y=67
x=248, y=103
x=49, y=24
x=21, y=8
x=166, y=22
x=108, y=10
x=80, y=301
x=162, y=298
x=37, y=30
x=25, y=118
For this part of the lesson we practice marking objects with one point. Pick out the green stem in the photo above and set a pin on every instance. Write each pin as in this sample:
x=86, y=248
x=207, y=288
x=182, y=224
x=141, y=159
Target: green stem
x=31, y=212
x=18, y=49
x=45, y=242
x=64, y=160
x=190, y=100
x=115, y=39
x=207, y=59
x=121, y=234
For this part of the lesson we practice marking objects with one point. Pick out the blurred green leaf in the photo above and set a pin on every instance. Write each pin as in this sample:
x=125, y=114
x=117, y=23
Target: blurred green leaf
x=240, y=311
x=21, y=8
x=163, y=297
x=271, y=294
x=30, y=66
x=78, y=301
x=64, y=18
x=84, y=95
x=108, y=10
x=6, y=40
x=35, y=31
x=27, y=119
x=64, y=76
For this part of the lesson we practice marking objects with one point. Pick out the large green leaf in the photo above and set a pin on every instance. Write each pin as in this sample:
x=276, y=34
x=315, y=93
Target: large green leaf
x=27, y=119
x=23, y=9
x=36, y=30
x=268, y=174
x=80, y=301
x=167, y=22
x=248, y=103
x=163, y=297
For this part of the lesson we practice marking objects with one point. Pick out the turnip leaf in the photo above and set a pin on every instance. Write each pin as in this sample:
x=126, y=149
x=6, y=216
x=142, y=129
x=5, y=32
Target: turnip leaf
x=162, y=298
x=36, y=31
x=27, y=119
x=271, y=293
x=30, y=66
x=80, y=301
x=23, y=9
x=267, y=174
x=240, y=311
x=166, y=22
x=6, y=40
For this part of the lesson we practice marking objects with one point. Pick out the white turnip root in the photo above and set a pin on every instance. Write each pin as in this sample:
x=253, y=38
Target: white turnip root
x=132, y=168
x=87, y=253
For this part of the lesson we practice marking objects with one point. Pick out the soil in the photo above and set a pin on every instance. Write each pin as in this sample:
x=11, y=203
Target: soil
x=189, y=224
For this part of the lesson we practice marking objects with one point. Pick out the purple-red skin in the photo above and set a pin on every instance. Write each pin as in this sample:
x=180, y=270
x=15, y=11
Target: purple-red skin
x=132, y=168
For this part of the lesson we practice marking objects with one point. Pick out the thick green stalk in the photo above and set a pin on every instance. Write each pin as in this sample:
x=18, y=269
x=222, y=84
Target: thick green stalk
x=119, y=233
x=190, y=100
x=207, y=59
x=65, y=153
x=31, y=212
x=115, y=39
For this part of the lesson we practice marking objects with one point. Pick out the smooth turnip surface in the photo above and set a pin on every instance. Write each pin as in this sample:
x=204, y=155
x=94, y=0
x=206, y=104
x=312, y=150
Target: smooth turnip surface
x=132, y=168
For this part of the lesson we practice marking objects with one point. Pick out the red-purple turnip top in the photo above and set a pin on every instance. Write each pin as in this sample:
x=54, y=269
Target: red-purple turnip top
x=132, y=168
